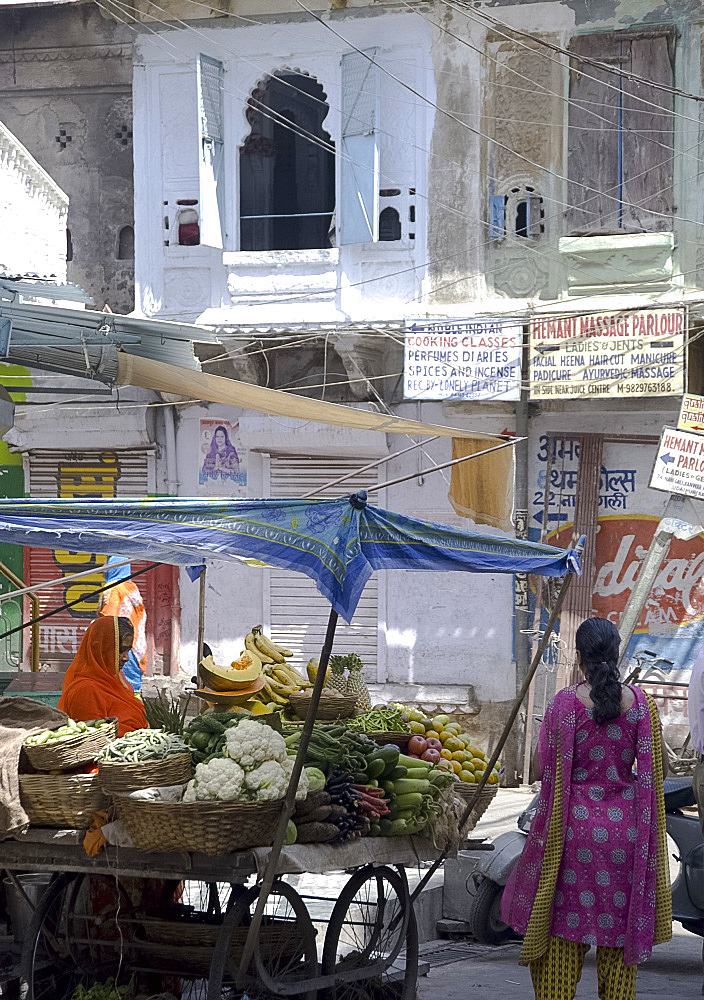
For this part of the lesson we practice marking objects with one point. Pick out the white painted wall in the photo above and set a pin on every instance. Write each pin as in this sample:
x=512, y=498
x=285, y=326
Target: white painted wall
x=227, y=286
x=33, y=211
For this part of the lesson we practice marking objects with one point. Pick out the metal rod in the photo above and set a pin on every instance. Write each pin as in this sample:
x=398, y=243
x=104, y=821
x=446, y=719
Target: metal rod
x=371, y=465
x=34, y=601
x=289, y=802
x=59, y=581
x=201, y=618
x=70, y=604
x=542, y=646
x=444, y=465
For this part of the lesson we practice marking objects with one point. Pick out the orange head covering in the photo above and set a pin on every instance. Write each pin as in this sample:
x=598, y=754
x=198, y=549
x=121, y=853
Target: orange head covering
x=93, y=687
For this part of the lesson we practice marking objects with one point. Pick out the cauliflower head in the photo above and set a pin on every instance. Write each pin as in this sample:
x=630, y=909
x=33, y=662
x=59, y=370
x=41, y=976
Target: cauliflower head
x=303, y=783
x=266, y=782
x=221, y=778
x=253, y=743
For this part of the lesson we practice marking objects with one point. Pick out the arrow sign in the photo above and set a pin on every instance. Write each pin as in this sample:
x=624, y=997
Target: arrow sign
x=666, y=458
x=679, y=463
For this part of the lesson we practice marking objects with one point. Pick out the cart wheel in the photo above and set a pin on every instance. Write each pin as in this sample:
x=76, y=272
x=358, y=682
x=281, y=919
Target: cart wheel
x=371, y=924
x=48, y=968
x=284, y=952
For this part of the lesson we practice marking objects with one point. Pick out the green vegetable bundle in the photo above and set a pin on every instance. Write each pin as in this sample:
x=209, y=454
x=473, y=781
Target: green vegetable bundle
x=143, y=745
x=70, y=729
x=205, y=734
x=109, y=990
x=333, y=747
x=380, y=720
x=166, y=713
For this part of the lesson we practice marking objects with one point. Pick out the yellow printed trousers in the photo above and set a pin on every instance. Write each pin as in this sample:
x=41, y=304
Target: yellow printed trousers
x=556, y=974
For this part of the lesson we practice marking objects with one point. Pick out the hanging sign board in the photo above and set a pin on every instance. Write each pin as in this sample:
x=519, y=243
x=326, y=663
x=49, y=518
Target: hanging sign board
x=462, y=359
x=625, y=355
x=679, y=464
x=691, y=416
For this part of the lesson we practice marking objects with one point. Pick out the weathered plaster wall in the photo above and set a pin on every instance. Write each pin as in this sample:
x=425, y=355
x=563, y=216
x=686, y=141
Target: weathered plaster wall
x=65, y=90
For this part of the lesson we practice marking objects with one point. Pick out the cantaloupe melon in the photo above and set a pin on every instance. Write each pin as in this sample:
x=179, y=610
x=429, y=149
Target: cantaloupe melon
x=228, y=679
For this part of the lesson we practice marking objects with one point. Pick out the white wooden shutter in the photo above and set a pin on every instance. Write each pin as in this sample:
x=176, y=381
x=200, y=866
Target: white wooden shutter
x=82, y=475
x=212, y=160
x=359, y=161
x=298, y=612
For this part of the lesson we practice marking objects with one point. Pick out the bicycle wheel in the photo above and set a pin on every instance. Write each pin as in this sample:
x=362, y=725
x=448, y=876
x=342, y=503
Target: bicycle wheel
x=284, y=952
x=371, y=924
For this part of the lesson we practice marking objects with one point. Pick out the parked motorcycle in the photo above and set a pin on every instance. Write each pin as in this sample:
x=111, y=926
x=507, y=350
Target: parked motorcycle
x=494, y=868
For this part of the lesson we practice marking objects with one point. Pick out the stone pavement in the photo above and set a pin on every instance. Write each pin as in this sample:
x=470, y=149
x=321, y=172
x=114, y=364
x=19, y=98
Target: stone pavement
x=675, y=969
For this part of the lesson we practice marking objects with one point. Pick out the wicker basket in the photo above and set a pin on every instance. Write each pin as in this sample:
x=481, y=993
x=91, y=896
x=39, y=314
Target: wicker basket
x=210, y=827
x=118, y=777
x=400, y=740
x=329, y=709
x=61, y=800
x=465, y=791
x=72, y=751
x=188, y=944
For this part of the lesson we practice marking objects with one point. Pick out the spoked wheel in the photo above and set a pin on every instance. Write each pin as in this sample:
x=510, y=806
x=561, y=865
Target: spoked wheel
x=284, y=952
x=74, y=938
x=371, y=945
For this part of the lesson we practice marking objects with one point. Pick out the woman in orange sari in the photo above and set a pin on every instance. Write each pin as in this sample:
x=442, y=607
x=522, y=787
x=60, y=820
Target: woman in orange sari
x=93, y=687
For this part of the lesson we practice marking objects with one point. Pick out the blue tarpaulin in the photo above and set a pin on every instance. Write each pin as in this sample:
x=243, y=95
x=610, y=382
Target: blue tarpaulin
x=337, y=543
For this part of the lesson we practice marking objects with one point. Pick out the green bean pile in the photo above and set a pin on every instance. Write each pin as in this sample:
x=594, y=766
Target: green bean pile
x=380, y=720
x=332, y=747
x=142, y=745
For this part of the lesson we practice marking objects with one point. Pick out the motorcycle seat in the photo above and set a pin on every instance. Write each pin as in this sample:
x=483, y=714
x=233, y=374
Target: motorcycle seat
x=679, y=793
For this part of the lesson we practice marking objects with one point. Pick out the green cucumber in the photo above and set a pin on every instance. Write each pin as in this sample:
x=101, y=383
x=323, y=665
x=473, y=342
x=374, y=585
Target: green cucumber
x=412, y=762
x=398, y=772
x=409, y=800
x=405, y=785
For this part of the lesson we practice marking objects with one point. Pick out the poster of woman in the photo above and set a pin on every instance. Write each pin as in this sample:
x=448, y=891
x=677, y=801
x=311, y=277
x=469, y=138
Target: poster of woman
x=222, y=460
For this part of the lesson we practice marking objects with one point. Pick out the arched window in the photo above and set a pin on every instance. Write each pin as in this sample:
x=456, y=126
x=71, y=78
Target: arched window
x=287, y=167
x=69, y=246
x=389, y=225
x=125, y=244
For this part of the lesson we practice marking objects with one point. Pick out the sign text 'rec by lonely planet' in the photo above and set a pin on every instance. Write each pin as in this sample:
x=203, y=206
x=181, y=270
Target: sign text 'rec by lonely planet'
x=639, y=353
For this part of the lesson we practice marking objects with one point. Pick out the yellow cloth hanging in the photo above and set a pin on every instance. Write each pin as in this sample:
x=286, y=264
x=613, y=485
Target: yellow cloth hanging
x=482, y=488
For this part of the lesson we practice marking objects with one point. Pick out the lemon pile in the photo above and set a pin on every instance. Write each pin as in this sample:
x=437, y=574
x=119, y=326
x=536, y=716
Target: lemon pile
x=458, y=751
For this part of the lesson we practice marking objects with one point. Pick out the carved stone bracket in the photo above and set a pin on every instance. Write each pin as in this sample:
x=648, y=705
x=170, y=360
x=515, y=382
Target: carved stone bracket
x=364, y=356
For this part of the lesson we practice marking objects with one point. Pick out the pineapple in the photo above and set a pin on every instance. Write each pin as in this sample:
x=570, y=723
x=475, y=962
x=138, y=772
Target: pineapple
x=337, y=681
x=356, y=685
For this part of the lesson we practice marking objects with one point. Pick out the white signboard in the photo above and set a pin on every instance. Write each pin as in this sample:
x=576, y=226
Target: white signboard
x=624, y=355
x=679, y=464
x=462, y=359
x=691, y=416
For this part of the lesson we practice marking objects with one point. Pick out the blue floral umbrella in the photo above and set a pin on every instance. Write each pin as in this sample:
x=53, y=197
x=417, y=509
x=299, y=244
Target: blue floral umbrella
x=337, y=543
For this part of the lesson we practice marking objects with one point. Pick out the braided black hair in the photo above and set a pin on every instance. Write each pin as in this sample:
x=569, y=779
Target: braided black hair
x=598, y=641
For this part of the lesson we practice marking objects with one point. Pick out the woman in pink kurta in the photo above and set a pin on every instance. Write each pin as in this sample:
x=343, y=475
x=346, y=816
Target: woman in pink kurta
x=594, y=869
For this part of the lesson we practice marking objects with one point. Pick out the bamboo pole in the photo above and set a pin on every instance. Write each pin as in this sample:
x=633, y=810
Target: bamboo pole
x=289, y=802
x=201, y=619
x=542, y=646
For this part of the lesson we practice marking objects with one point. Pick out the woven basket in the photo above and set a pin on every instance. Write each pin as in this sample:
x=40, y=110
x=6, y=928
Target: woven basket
x=329, y=709
x=210, y=827
x=464, y=790
x=188, y=944
x=118, y=777
x=61, y=800
x=72, y=751
x=400, y=740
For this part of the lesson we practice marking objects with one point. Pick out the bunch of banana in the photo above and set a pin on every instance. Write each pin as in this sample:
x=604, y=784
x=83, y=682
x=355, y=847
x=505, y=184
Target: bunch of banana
x=281, y=680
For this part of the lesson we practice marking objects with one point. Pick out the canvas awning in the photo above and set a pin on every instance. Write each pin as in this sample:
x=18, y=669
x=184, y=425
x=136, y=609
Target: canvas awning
x=149, y=374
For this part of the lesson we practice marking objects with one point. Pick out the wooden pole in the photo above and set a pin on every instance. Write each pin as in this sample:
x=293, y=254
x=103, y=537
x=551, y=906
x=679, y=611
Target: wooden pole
x=289, y=803
x=538, y=655
x=201, y=619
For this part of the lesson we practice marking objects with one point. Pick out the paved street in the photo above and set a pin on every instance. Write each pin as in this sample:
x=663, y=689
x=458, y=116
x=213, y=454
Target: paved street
x=674, y=970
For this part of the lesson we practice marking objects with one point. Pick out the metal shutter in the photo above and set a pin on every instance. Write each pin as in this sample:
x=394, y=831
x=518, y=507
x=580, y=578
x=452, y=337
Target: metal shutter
x=298, y=612
x=83, y=475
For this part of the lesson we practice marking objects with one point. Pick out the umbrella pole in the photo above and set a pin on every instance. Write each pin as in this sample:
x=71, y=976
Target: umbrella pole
x=289, y=802
x=542, y=646
x=201, y=619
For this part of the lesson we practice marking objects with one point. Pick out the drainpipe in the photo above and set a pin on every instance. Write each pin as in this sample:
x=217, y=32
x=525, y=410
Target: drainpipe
x=34, y=601
x=521, y=614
